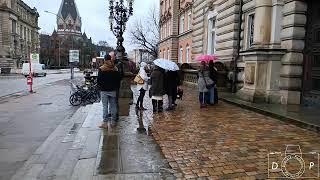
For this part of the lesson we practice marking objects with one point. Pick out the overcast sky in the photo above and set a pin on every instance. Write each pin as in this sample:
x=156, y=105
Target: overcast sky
x=94, y=14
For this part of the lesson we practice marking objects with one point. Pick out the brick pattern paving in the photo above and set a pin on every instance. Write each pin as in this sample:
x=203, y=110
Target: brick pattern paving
x=223, y=141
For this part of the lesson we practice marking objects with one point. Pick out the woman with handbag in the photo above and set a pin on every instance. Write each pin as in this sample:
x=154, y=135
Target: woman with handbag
x=205, y=83
x=142, y=85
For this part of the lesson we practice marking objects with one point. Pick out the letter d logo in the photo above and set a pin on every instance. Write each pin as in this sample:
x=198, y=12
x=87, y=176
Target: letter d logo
x=274, y=166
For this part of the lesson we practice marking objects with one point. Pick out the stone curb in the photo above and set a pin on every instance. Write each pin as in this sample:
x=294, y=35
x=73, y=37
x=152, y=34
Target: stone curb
x=287, y=119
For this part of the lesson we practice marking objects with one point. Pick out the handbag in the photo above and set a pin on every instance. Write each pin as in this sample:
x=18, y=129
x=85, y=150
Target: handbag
x=138, y=79
x=208, y=86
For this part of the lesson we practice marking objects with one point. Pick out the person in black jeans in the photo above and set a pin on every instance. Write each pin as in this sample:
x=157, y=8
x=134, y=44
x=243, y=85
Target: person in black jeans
x=171, y=88
x=157, y=89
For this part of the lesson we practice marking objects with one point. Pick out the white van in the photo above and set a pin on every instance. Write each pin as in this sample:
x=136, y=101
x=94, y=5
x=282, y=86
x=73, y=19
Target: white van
x=36, y=69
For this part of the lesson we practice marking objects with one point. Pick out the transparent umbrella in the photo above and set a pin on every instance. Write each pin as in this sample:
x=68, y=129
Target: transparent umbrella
x=166, y=64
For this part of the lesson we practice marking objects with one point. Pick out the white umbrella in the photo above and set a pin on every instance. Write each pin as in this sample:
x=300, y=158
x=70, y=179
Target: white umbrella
x=166, y=64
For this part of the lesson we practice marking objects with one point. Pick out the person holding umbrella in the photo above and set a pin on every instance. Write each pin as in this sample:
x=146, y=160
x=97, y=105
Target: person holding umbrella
x=171, y=67
x=172, y=82
x=157, y=89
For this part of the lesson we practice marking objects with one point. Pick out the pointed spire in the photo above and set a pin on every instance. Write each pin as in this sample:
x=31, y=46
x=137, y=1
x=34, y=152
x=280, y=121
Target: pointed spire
x=69, y=7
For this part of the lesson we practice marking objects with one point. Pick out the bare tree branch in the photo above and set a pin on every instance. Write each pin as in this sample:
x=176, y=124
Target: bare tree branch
x=146, y=33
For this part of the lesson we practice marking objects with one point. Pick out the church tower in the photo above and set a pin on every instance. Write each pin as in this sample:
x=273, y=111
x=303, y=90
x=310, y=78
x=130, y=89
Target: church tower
x=69, y=20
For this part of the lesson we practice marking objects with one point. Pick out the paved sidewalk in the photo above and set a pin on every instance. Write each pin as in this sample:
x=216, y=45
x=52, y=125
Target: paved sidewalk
x=225, y=141
x=302, y=116
x=79, y=150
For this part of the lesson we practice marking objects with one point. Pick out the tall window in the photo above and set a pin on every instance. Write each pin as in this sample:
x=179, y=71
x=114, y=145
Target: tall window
x=24, y=33
x=169, y=28
x=250, y=30
x=212, y=36
x=168, y=54
x=165, y=30
x=180, y=55
x=14, y=26
x=187, y=54
x=189, y=20
x=164, y=54
x=21, y=31
x=182, y=23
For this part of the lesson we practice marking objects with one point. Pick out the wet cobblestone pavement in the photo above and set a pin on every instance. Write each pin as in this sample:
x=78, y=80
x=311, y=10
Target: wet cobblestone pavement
x=224, y=141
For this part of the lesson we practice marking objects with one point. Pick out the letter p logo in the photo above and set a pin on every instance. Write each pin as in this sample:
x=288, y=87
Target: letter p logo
x=311, y=165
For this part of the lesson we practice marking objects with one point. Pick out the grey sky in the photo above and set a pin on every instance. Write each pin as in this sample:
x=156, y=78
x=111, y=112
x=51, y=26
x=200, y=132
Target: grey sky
x=94, y=14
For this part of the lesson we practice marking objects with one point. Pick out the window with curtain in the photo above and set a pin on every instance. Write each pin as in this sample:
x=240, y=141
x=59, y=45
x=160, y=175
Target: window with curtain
x=189, y=20
x=212, y=36
x=180, y=55
x=169, y=27
x=182, y=23
x=188, y=54
x=250, y=30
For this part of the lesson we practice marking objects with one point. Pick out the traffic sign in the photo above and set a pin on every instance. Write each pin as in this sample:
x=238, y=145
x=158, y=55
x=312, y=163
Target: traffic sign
x=74, y=56
x=35, y=58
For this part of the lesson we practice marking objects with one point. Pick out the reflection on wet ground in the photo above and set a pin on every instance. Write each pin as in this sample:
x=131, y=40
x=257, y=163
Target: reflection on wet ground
x=129, y=151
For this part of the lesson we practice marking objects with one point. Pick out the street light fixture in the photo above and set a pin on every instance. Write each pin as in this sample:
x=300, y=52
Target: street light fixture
x=119, y=16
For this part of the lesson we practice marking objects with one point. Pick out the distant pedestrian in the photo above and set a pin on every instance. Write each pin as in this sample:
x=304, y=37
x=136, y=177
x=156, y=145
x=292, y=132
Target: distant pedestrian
x=171, y=80
x=143, y=86
x=204, y=84
x=109, y=82
x=157, y=89
x=213, y=92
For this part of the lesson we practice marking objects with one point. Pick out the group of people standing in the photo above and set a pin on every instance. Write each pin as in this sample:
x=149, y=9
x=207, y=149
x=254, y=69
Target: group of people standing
x=208, y=94
x=162, y=83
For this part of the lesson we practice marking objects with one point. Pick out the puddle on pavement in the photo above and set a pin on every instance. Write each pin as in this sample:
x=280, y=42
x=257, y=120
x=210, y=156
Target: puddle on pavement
x=130, y=149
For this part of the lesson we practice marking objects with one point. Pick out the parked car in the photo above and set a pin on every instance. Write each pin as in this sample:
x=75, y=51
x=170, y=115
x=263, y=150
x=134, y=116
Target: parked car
x=36, y=69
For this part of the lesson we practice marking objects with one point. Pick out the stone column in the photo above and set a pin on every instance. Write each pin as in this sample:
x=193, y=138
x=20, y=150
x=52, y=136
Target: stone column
x=262, y=62
x=262, y=23
x=292, y=35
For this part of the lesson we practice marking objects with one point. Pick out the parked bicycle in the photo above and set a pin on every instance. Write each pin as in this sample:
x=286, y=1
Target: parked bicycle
x=84, y=95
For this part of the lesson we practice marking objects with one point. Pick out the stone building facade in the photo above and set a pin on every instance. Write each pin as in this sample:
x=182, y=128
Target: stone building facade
x=274, y=45
x=18, y=34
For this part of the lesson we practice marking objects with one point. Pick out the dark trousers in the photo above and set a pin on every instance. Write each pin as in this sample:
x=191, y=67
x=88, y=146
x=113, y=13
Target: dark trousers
x=157, y=105
x=140, y=98
x=204, y=97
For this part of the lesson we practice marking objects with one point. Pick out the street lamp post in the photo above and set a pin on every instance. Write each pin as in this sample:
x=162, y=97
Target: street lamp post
x=119, y=16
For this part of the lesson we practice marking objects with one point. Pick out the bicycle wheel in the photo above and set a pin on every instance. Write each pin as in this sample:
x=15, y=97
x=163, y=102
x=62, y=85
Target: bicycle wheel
x=92, y=98
x=75, y=99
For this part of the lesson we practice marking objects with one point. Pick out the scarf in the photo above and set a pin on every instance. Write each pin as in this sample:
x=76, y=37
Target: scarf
x=108, y=66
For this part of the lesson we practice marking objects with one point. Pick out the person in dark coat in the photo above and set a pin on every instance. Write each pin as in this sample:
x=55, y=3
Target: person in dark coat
x=213, y=92
x=109, y=82
x=157, y=89
x=172, y=80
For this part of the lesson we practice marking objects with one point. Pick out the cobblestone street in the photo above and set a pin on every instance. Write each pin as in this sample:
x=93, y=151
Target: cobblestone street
x=224, y=141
